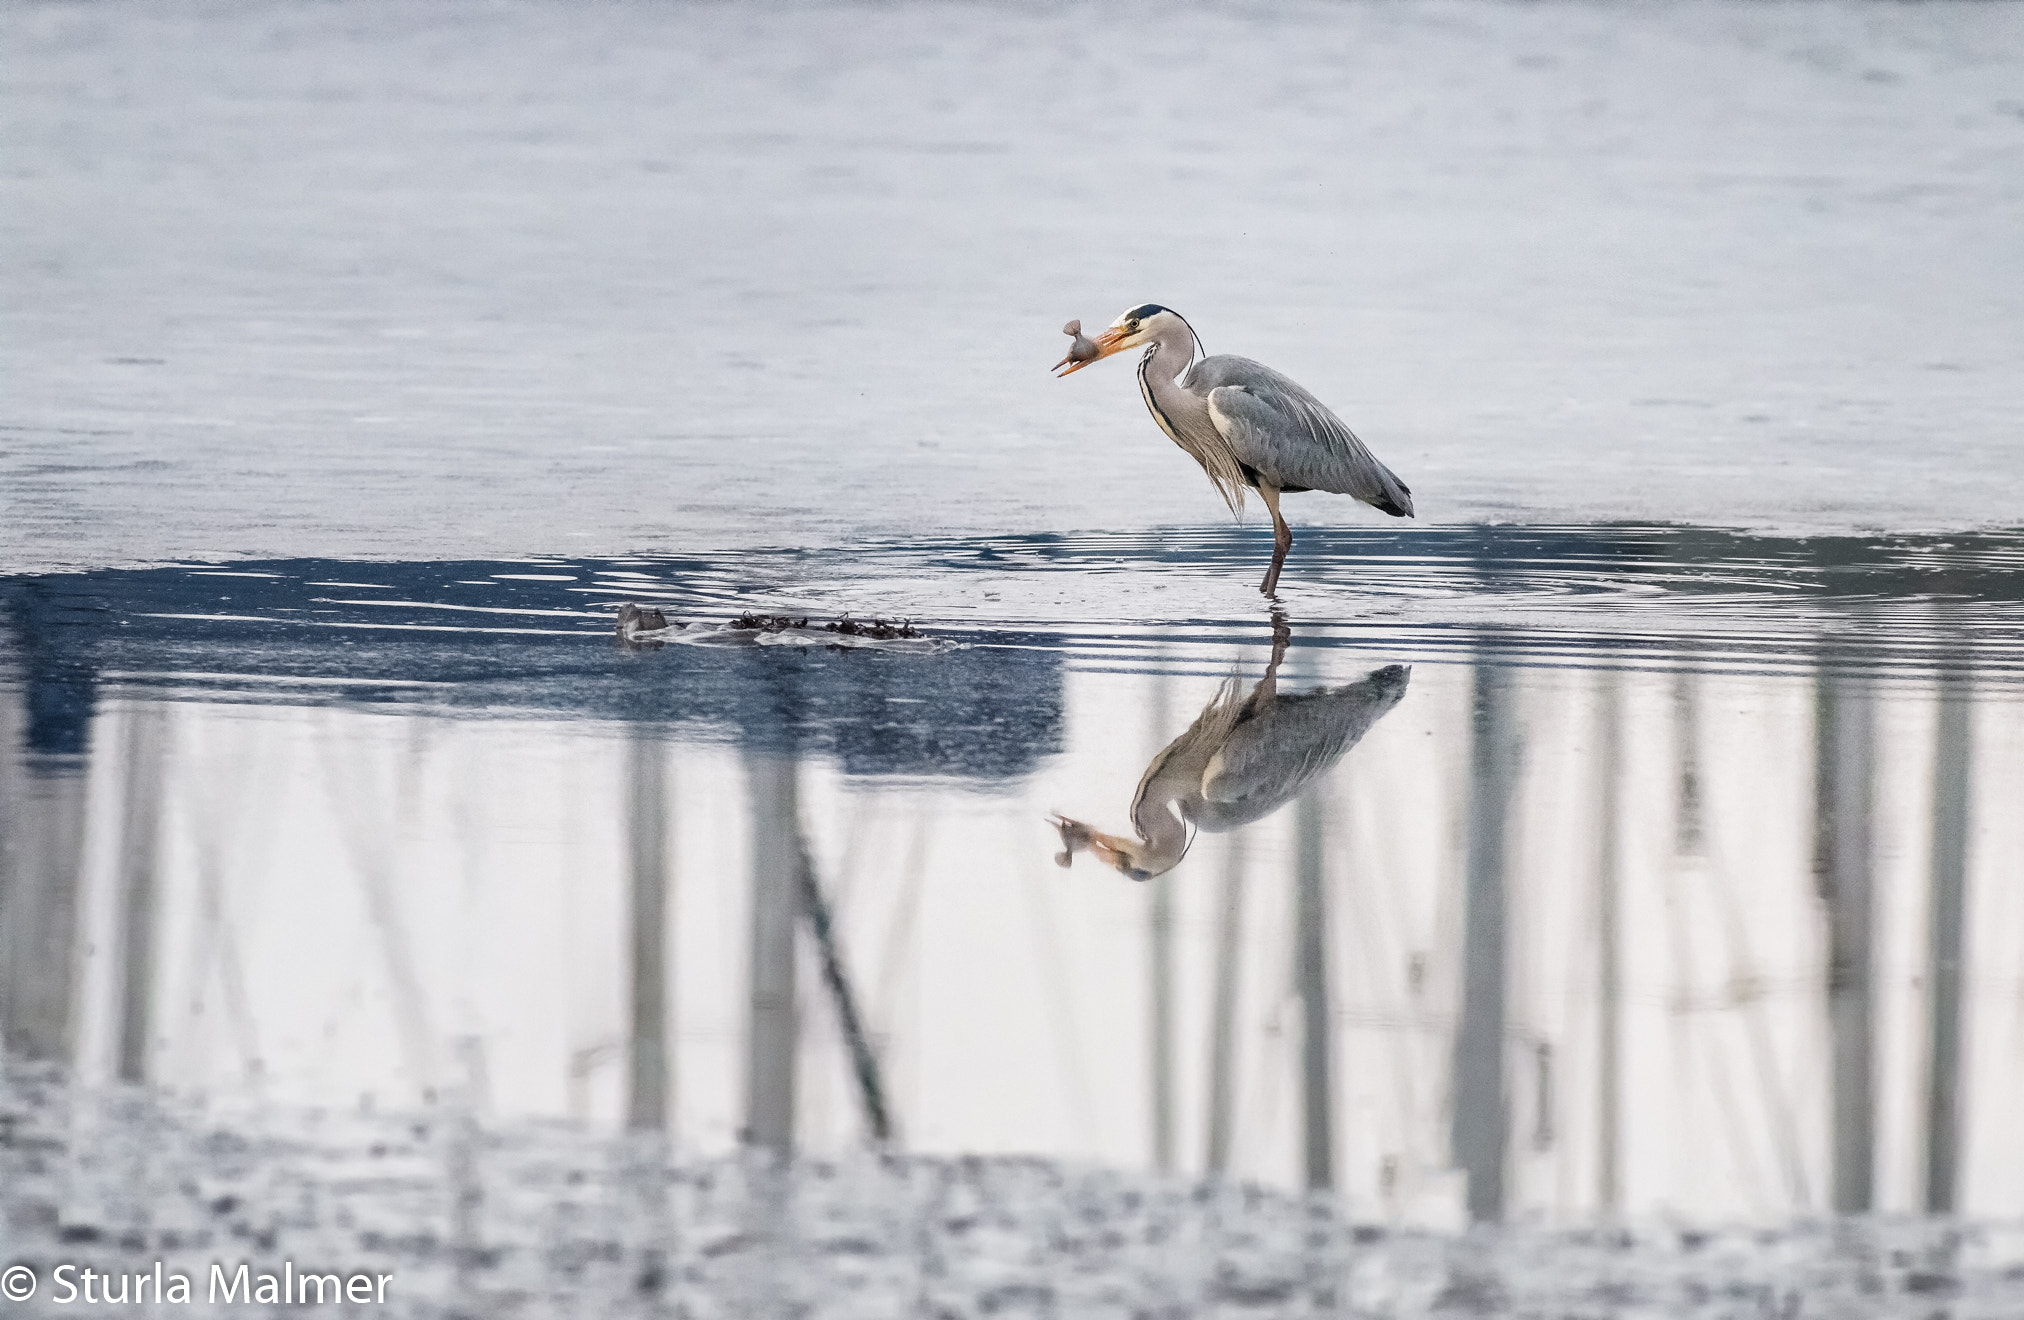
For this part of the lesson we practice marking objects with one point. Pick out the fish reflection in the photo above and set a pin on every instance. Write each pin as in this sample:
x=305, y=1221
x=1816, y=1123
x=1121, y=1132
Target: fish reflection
x=1243, y=758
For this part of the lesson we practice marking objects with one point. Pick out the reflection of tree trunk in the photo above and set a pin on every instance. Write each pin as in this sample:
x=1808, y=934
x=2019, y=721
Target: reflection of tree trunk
x=147, y=766
x=1478, y=1133
x=45, y=739
x=41, y=851
x=1161, y=958
x=1952, y=751
x=785, y=888
x=1310, y=962
x=647, y=837
x=1160, y=967
x=1687, y=827
x=1223, y=1012
x=1842, y=869
x=649, y=805
x=1609, y=972
x=863, y=1059
x=773, y=1038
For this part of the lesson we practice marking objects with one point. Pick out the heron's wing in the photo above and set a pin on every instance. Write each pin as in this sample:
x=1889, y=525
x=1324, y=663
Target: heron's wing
x=1267, y=760
x=1289, y=437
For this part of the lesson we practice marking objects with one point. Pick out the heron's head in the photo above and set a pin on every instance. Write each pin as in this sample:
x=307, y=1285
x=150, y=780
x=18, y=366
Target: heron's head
x=1125, y=856
x=1140, y=325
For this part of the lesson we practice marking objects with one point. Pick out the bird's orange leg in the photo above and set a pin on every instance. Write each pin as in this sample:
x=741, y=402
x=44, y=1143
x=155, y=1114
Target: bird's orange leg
x=1282, y=538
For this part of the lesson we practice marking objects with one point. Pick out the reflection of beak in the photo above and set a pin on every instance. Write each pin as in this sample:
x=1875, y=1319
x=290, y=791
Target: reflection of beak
x=1077, y=837
x=1106, y=851
x=1074, y=838
x=1110, y=341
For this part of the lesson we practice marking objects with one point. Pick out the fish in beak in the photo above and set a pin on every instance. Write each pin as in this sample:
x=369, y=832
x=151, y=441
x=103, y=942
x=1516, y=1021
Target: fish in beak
x=1112, y=851
x=1084, y=350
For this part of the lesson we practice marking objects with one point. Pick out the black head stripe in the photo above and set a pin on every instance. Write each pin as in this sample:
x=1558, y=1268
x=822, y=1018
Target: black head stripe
x=1145, y=310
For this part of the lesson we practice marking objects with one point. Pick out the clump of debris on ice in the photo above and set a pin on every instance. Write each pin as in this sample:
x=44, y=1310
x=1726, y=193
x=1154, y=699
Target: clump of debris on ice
x=533, y=1219
x=648, y=626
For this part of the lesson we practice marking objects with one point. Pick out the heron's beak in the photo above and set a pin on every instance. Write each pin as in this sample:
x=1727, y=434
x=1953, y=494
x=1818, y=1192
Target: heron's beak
x=1087, y=351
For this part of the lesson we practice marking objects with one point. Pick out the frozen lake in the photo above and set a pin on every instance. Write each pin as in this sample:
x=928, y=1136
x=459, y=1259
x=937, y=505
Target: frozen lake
x=409, y=282
x=1622, y=855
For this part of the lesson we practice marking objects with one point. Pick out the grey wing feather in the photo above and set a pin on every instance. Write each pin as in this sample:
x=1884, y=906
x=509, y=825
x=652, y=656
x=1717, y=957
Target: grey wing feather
x=1267, y=760
x=1290, y=437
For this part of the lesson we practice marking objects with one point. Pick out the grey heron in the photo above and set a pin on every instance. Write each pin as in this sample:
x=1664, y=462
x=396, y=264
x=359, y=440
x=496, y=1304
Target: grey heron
x=1243, y=758
x=1247, y=425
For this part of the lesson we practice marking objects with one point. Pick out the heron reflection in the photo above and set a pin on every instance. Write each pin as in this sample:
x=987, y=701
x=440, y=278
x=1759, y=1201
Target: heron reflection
x=1244, y=757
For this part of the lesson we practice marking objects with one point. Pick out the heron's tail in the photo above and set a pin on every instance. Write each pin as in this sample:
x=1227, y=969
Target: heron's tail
x=1394, y=496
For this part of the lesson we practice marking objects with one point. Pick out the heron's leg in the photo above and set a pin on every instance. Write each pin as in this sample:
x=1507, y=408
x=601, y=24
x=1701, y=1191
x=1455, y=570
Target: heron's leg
x=1282, y=637
x=1282, y=538
x=1267, y=690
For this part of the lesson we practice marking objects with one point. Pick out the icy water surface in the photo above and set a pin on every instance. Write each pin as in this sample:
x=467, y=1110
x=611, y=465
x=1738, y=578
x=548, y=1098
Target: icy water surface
x=416, y=282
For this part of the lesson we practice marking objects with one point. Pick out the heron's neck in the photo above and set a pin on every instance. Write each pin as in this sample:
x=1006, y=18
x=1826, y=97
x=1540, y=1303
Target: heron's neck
x=1163, y=833
x=1159, y=370
x=1184, y=415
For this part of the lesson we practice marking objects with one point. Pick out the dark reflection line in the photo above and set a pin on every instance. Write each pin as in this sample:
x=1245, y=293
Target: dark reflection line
x=1223, y=1009
x=1844, y=873
x=1160, y=960
x=1544, y=1092
x=1160, y=966
x=1609, y=972
x=1688, y=829
x=139, y=882
x=1310, y=961
x=42, y=824
x=773, y=1034
x=863, y=1060
x=785, y=889
x=650, y=1056
x=1953, y=753
x=1478, y=1131
x=42, y=856
x=648, y=1089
